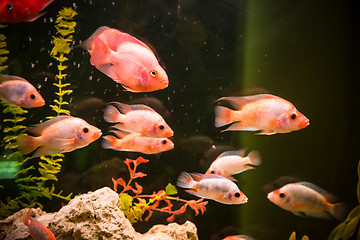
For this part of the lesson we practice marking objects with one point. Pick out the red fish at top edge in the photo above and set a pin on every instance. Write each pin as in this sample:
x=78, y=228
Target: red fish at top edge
x=15, y=11
x=36, y=229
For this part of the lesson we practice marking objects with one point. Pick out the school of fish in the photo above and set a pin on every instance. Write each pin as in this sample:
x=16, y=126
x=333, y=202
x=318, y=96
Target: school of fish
x=139, y=128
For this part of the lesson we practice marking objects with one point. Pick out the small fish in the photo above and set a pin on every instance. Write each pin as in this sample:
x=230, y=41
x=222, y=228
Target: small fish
x=306, y=199
x=137, y=118
x=211, y=186
x=238, y=237
x=126, y=60
x=233, y=162
x=135, y=142
x=15, y=11
x=265, y=112
x=58, y=135
x=36, y=229
x=19, y=92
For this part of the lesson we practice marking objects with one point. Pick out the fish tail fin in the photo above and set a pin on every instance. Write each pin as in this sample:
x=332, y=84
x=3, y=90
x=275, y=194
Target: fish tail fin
x=99, y=53
x=223, y=116
x=185, y=181
x=111, y=114
x=27, y=144
x=109, y=142
x=255, y=158
x=338, y=211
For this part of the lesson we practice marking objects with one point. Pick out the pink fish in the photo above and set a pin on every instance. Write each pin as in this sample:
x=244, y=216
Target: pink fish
x=135, y=142
x=137, y=118
x=265, y=112
x=233, y=162
x=211, y=186
x=59, y=135
x=19, y=92
x=306, y=199
x=37, y=230
x=126, y=60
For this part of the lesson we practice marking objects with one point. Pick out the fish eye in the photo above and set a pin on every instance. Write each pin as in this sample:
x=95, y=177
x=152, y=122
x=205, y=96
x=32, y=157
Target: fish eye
x=161, y=127
x=293, y=116
x=9, y=6
x=85, y=130
x=281, y=195
x=237, y=194
x=163, y=142
x=32, y=96
x=153, y=73
x=212, y=172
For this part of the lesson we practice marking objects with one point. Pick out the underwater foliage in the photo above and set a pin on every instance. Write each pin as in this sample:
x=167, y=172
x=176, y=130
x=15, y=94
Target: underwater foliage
x=12, y=128
x=65, y=26
x=293, y=237
x=134, y=210
x=347, y=229
x=31, y=188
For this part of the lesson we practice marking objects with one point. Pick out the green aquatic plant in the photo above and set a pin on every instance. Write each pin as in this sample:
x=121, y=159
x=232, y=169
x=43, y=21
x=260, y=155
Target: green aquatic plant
x=12, y=127
x=134, y=207
x=31, y=187
x=347, y=228
x=293, y=237
x=65, y=26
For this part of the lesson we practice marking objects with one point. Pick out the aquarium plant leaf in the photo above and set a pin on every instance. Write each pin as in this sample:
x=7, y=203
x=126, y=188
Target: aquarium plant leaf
x=170, y=189
x=350, y=228
x=293, y=236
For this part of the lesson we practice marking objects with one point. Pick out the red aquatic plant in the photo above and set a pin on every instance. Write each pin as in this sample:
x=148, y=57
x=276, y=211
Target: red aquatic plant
x=134, y=210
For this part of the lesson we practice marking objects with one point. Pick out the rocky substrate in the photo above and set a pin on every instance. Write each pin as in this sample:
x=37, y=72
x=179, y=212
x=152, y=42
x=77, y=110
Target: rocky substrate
x=93, y=216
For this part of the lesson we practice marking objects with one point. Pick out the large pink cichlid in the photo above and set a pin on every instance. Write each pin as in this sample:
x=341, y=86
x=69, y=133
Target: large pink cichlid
x=126, y=60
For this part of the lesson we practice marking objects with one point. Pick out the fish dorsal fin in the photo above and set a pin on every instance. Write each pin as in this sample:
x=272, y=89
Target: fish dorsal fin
x=88, y=42
x=328, y=196
x=4, y=78
x=199, y=176
x=240, y=153
x=114, y=38
x=239, y=102
x=125, y=108
x=37, y=129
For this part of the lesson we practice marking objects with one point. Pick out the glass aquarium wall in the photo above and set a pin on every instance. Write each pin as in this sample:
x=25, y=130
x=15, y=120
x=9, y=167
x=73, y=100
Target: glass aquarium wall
x=302, y=51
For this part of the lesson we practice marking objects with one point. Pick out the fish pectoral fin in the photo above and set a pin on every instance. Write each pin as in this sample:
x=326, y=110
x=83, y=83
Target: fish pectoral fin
x=301, y=214
x=108, y=69
x=61, y=143
x=195, y=193
x=266, y=132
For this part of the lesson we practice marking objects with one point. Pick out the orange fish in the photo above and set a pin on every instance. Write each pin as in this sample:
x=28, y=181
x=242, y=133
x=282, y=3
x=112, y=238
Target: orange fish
x=137, y=118
x=306, y=199
x=37, y=230
x=15, y=11
x=211, y=186
x=19, y=92
x=126, y=60
x=59, y=135
x=265, y=112
x=233, y=162
x=135, y=142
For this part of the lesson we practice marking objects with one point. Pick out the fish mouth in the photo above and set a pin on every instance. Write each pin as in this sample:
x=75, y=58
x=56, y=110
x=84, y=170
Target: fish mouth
x=304, y=124
x=97, y=135
x=40, y=103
